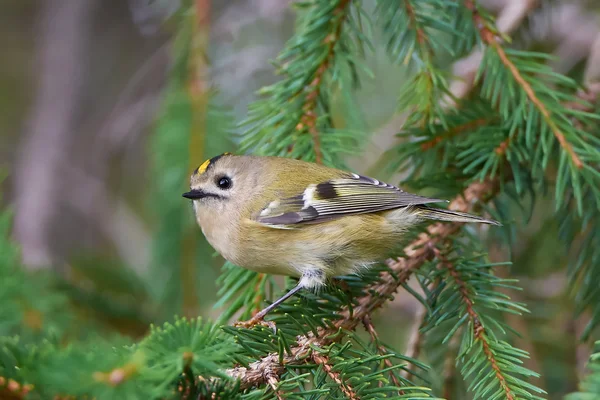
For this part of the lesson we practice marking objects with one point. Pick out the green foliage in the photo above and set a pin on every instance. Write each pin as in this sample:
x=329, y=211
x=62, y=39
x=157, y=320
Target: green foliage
x=537, y=122
x=185, y=344
x=170, y=357
x=29, y=305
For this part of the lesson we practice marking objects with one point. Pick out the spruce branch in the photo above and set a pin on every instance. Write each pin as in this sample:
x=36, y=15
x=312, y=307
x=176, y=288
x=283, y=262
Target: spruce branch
x=259, y=371
x=309, y=110
x=323, y=360
x=376, y=295
x=517, y=322
x=188, y=385
x=465, y=70
x=297, y=107
x=370, y=328
x=273, y=381
x=490, y=38
x=416, y=44
x=415, y=340
x=454, y=131
x=501, y=149
x=471, y=292
x=479, y=331
x=423, y=43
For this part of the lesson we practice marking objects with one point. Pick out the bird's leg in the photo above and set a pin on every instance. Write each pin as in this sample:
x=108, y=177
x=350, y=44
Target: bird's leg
x=259, y=317
x=310, y=278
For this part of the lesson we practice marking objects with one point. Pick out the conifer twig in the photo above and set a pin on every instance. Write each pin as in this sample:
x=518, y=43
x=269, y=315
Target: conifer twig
x=588, y=96
x=188, y=385
x=457, y=130
x=503, y=146
x=422, y=40
x=377, y=294
x=415, y=340
x=259, y=371
x=478, y=329
x=489, y=38
x=519, y=323
x=321, y=359
x=309, y=114
x=272, y=380
x=465, y=70
x=368, y=324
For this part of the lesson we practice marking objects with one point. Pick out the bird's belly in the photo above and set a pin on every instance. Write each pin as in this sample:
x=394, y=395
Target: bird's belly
x=293, y=265
x=273, y=269
x=338, y=248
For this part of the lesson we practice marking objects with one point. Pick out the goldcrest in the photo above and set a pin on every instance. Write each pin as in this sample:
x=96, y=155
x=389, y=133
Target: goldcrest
x=288, y=217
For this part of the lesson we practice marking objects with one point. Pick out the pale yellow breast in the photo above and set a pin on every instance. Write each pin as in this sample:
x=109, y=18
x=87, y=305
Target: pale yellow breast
x=219, y=229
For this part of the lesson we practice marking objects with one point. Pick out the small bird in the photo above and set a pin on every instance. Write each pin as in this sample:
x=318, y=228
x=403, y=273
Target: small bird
x=288, y=217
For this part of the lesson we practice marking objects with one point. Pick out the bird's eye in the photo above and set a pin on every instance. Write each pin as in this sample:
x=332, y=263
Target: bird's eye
x=224, y=182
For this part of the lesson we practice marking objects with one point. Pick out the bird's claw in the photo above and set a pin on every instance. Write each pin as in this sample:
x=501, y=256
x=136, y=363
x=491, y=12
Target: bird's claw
x=256, y=321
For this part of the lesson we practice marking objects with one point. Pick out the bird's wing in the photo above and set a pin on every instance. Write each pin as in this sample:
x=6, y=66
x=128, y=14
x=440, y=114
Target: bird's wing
x=354, y=194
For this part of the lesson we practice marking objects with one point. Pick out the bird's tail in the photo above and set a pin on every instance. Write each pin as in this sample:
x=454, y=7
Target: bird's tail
x=455, y=216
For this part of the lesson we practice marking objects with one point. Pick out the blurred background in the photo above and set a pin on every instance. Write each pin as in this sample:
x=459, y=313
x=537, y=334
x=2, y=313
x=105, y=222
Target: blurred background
x=100, y=124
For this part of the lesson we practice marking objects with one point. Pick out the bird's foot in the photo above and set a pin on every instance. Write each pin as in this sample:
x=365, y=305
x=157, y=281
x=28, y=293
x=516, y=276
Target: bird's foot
x=256, y=320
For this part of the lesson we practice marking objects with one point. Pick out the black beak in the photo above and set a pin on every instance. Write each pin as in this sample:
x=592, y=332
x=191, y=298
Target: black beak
x=194, y=194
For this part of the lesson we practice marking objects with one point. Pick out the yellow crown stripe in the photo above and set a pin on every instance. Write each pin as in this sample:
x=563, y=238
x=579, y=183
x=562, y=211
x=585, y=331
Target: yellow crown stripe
x=204, y=166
